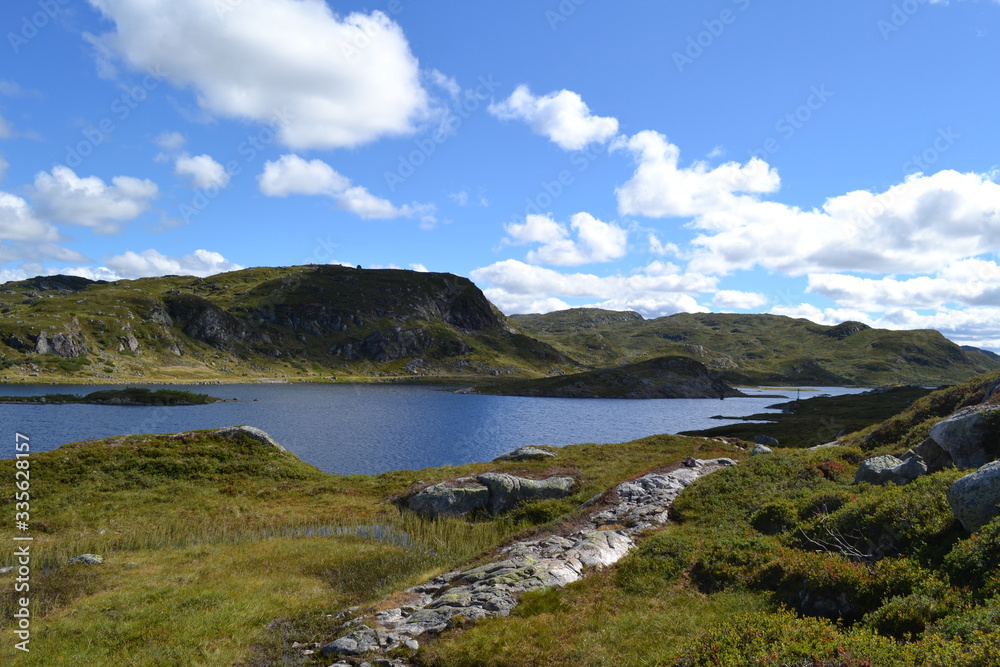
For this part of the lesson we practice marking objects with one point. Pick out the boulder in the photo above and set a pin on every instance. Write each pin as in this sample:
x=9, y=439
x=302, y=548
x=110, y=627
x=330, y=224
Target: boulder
x=761, y=449
x=766, y=440
x=933, y=456
x=251, y=432
x=455, y=498
x=507, y=491
x=361, y=641
x=87, y=559
x=970, y=436
x=494, y=492
x=974, y=499
x=885, y=469
x=528, y=453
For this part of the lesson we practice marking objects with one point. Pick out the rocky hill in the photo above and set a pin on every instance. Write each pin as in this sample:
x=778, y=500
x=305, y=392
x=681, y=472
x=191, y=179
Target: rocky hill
x=664, y=377
x=762, y=348
x=309, y=321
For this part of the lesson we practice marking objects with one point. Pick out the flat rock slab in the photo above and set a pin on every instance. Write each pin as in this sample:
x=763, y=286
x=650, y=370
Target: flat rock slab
x=494, y=589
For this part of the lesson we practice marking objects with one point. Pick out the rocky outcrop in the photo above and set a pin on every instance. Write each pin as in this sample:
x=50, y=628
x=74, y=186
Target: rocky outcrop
x=526, y=453
x=67, y=345
x=932, y=455
x=491, y=492
x=970, y=436
x=759, y=450
x=204, y=321
x=885, y=469
x=766, y=440
x=494, y=589
x=251, y=433
x=87, y=559
x=975, y=498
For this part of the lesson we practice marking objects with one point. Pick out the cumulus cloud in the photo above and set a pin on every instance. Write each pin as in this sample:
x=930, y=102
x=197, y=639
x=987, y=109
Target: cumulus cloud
x=150, y=263
x=828, y=316
x=562, y=117
x=971, y=282
x=734, y=299
x=19, y=223
x=293, y=175
x=204, y=171
x=62, y=196
x=661, y=188
x=325, y=80
x=596, y=241
x=658, y=289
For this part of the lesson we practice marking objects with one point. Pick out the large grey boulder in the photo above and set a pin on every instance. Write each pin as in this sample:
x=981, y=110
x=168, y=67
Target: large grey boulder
x=527, y=453
x=360, y=641
x=455, y=498
x=759, y=450
x=885, y=469
x=507, y=491
x=971, y=436
x=933, y=456
x=974, y=499
x=766, y=440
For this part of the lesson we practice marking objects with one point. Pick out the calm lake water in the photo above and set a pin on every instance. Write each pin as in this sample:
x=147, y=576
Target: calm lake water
x=348, y=429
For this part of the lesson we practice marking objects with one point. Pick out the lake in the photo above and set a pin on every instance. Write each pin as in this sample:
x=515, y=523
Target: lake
x=368, y=429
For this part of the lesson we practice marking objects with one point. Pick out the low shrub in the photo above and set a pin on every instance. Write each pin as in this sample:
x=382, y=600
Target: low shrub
x=975, y=562
x=658, y=561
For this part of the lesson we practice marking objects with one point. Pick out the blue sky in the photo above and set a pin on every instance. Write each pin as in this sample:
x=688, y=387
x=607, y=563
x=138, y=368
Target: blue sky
x=824, y=160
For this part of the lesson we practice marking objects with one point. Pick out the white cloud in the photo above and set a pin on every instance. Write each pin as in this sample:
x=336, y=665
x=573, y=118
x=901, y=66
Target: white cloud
x=446, y=83
x=661, y=188
x=918, y=226
x=62, y=196
x=3, y=167
x=596, y=241
x=19, y=223
x=153, y=263
x=419, y=268
x=563, y=117
x=325, y=80
x=828, y=316
x=6, y=132
x=514, y=304
x=170, y=141
x=658, y=289
x=203, y=170
x=658, y=247
x=738, y=300
x=973, y=282
x=292, y=175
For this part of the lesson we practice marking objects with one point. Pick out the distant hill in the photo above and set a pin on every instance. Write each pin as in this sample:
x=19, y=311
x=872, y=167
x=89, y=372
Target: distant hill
x=664, y=377
x=299, y=322
x=762, y=349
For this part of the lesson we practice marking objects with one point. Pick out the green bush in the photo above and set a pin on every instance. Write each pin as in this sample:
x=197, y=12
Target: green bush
x=733, y=562
x=658, y=561
x=974, y=562
x=907, y=617
x=775, y=517
x=969, y=623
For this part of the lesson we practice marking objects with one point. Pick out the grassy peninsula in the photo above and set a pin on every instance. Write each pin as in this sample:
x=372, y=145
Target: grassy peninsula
x=133, y=396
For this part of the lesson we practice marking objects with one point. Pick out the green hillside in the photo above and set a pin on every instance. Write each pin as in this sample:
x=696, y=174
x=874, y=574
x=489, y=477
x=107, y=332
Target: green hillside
x=755, y=349
x=307, y=322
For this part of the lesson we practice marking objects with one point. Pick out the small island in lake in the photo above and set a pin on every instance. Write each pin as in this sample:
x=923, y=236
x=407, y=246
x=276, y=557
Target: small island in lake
x=131, y=396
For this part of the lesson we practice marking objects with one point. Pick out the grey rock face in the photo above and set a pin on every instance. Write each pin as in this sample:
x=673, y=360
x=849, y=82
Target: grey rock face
x=761, y=449
x=251, y=432
x=67, y=345
x=974, y=498
x=527, y=453
x=885, y=469
x=495, y=492
x=766, y=440
x=450, y=500
x=932, y=455
x=970, y=436
x=506, y=491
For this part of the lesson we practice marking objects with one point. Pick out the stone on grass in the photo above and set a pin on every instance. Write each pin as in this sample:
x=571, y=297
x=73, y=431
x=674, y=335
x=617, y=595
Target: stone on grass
x=971, y=436
x=885, y=469
x=87, y=559
x=761, y=449
x=766, y=440
x=251, y=432
x=527, y=453
x=974, y=499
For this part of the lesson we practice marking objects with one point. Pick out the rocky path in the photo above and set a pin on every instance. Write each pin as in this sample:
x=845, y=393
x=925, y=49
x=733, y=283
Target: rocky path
x=601, y=539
